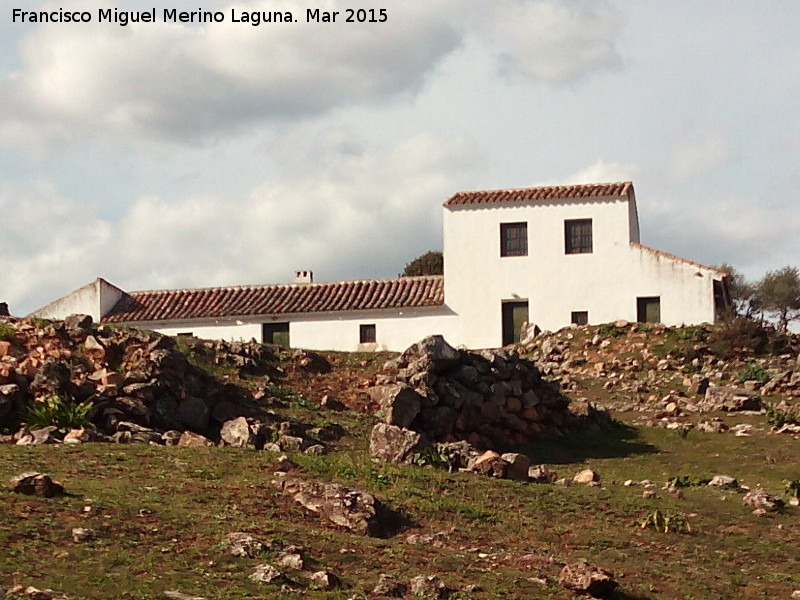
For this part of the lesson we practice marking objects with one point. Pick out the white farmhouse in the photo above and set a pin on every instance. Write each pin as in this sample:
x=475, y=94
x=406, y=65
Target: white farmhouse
x=549, y=256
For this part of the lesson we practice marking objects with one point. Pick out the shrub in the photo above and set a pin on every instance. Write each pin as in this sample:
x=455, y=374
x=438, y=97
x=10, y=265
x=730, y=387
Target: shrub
x=793, y=488
x=7, y=332
x=754, y=371
x=779, y=415
x=666, y=522
x=64, y=413
x=740, y=334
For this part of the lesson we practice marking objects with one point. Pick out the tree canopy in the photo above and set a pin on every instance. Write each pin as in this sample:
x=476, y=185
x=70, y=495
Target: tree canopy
x=778, y=293
x=430, y=263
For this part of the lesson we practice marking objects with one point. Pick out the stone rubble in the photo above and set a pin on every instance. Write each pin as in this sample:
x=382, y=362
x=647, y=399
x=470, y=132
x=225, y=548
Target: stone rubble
x=583, y=578
x=434, y=396
x=354, y=510
x=36, y=484
x=145, y=390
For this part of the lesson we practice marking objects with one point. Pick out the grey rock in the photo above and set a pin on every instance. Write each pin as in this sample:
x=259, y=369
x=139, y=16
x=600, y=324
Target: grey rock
x=760, y=499
x=237, y=433
x=81, y=322
x=399, y=403
x=389, y=586
x=194, y=413
x=583, y=578
x=518, y=465
x=243, y=544
x=266, y=573
x=82, y=534
x=430, y=586
x=324, y=580
x=723, y=481
x=395, y=444
x=725, y=398
x=36, y=484
x=355, y=510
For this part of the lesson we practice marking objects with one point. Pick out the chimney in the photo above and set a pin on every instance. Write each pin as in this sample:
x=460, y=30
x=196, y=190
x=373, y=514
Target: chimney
x=304, y=277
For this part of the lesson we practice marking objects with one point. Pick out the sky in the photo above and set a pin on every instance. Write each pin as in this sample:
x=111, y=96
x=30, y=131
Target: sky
x=164, y=155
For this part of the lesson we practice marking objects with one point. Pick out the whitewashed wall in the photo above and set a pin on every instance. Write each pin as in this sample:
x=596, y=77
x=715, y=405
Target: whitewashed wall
x=94, y=299
x=395, y=329
x=606, y=282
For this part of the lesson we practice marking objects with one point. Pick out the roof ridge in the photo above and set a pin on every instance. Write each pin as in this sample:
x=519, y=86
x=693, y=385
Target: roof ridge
x=251, y=286
x=546, y=187
x=541, y=193
x=675, y=257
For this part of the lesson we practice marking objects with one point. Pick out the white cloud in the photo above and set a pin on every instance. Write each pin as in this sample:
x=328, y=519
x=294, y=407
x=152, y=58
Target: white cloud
x=557, y=41
x=699, y=155
x=363, y=214
x=603, y=172
x=185, y=82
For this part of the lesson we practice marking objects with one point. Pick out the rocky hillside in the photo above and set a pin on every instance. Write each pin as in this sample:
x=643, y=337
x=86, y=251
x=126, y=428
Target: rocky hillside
x=189, y=469
x=671, y=376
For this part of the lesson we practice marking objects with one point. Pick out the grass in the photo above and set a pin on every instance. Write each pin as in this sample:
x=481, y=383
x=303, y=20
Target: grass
x=161, y=515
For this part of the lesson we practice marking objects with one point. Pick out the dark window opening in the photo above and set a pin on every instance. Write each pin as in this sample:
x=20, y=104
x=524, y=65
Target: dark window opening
x=648, y=309
x=513, y=239
x=275, y=333
x=721, y=304
x=184, y=334
x=515, y=315
x=580, y=317
x=578, y=236
x=366, y=334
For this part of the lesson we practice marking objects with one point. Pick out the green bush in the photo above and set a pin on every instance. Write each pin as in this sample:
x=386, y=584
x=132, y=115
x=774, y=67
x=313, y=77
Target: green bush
x=754, y=371
x=55, y=411
x=7, y=332
x=778, y=416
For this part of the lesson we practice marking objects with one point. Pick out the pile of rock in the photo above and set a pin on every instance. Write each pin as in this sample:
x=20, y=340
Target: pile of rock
x=435, y=393
x=144, y=388
x=670, y=373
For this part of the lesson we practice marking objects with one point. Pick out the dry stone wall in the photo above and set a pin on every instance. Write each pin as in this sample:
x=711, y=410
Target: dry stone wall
x=434, y=393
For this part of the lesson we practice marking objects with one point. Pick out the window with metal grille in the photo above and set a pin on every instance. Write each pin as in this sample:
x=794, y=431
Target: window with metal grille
x=580, y=317
x=366, y=334
x=513, y=239
x=578, y=236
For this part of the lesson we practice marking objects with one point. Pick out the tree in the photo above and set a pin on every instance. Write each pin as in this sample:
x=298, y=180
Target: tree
x=742, y=293
x=779, y=294
x=430, y=263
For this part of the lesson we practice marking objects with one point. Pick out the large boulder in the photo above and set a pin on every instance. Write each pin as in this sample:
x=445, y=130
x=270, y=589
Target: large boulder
x=237, y=433
x=583, y=578
x=355, y=510
x=36, y=484
x=726, y=398
x=393, y=444
x=398, y=402
x=435, y=351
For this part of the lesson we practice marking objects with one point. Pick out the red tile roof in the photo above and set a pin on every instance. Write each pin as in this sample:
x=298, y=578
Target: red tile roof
x=675, y=258
x=241, y=301
x=558, y=192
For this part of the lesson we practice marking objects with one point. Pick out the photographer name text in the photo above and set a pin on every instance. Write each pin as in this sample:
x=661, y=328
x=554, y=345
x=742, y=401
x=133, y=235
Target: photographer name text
x=172, y=15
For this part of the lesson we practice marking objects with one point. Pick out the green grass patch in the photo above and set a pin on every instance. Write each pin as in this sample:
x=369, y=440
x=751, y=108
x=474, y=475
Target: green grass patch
x=161, y=515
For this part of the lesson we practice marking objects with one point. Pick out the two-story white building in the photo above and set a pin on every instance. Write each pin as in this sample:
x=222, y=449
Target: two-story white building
x=548, y=256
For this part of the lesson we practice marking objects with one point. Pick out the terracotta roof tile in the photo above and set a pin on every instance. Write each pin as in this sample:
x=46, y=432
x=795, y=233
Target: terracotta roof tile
x=241, y=301
x=558, y=192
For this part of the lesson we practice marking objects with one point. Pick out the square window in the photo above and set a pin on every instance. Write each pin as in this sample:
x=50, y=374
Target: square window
x=366, y=334
x=275, y=333
x=578, y=236
x=580, y=317
x=513, y=239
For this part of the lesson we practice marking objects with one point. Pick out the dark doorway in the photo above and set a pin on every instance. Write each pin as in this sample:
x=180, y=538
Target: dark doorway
x=275, y=333
x=648, y=309
x=515, y=314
